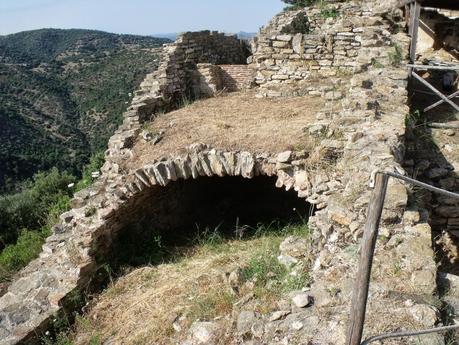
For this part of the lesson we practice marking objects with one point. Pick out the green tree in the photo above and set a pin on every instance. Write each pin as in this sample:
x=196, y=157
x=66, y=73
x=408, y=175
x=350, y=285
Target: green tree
x=29, y=209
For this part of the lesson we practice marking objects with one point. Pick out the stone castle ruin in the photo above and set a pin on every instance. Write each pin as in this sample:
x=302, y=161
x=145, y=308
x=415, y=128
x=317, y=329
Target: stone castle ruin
x=351, y=67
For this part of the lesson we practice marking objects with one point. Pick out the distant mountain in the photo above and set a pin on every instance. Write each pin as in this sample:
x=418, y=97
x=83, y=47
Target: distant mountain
x=62, y=94
x=246, y=35
x=171, y=35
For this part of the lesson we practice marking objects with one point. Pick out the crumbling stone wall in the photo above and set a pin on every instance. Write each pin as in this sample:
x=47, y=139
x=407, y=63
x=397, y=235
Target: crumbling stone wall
x=359, y=130
x=208, y=80
x=346, y=42
x=185, y=71
x=69, y=259
x=174, y=78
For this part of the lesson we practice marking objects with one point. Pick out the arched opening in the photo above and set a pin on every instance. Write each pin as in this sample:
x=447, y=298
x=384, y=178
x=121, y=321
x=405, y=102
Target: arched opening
x=186, y=210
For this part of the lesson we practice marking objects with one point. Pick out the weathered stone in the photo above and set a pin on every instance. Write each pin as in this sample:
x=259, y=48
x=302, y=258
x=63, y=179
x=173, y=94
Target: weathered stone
x=425, y=314
x=245, y=165
x=229, y=162
x=161, y=173
x=67, y=217
x=277, y=315
x=297, y=44
x=245, y=321
x=182, y=167
x=286, y=38
x=216, y=164
x=284, y=157
x=204, y=333
x=302, y=300
x=296, y=325
x=296, y=247
x=287, y=260
x=19, y=314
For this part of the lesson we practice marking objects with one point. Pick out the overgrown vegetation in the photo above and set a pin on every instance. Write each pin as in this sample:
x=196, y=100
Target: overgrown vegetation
x=300, y=24
x=326, y=12
x=26, y=217
x=270, y=277
x=298, y=4
x=30, y=209
x=62, y=94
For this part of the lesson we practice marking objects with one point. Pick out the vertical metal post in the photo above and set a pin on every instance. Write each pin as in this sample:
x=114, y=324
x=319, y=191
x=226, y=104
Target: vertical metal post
x=362, y=282
x=410, y=16
x=414, y=29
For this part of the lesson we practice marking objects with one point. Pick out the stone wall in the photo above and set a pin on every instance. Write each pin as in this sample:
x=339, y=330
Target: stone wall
x=346, y=42
x=359, y=130
x=438, y=31
x=437, y=167
x=208, y=80
x=69, y=260
x=174, y=77
x=178, y=78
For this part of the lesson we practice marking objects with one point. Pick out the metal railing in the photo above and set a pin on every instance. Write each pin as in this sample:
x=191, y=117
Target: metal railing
x=379, y=181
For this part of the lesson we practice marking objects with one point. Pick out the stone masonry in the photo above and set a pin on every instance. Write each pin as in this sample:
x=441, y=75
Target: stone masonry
x=361, y=129
x=294, y=64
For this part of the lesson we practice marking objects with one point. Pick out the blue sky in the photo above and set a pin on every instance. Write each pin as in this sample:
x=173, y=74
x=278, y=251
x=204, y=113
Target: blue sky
x=143, y=17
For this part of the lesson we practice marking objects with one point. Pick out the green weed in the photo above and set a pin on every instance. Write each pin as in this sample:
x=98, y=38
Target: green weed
x=211, y=305
x=329, y=13
x=396, y=56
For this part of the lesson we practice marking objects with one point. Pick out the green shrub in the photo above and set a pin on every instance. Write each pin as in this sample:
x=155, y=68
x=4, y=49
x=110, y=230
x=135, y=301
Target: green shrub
x=14, y=257
x=26, y=219
x=30, y=208
x=299, y=25
x=95, y=163
x=329, y=13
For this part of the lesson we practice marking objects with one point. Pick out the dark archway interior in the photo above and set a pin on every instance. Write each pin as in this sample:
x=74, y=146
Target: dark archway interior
x=176, y=215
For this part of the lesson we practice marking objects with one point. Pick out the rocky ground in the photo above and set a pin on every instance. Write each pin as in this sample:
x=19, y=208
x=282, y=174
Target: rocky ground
x=265, y=290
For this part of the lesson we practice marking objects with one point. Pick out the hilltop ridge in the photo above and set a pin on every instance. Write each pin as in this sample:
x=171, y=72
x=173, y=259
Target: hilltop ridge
x=63, y=93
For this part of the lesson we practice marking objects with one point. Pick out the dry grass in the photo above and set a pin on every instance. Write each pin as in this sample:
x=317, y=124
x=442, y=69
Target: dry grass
x=236, y=121
x=143, y=306
x=146, y=305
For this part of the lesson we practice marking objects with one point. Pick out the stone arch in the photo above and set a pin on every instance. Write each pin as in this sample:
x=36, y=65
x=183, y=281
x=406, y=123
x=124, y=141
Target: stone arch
x=197, y=162
x=68, y=261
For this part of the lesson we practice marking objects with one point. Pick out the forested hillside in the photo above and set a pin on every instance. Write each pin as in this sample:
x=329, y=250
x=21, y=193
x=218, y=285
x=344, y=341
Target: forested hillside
x=62, y=93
